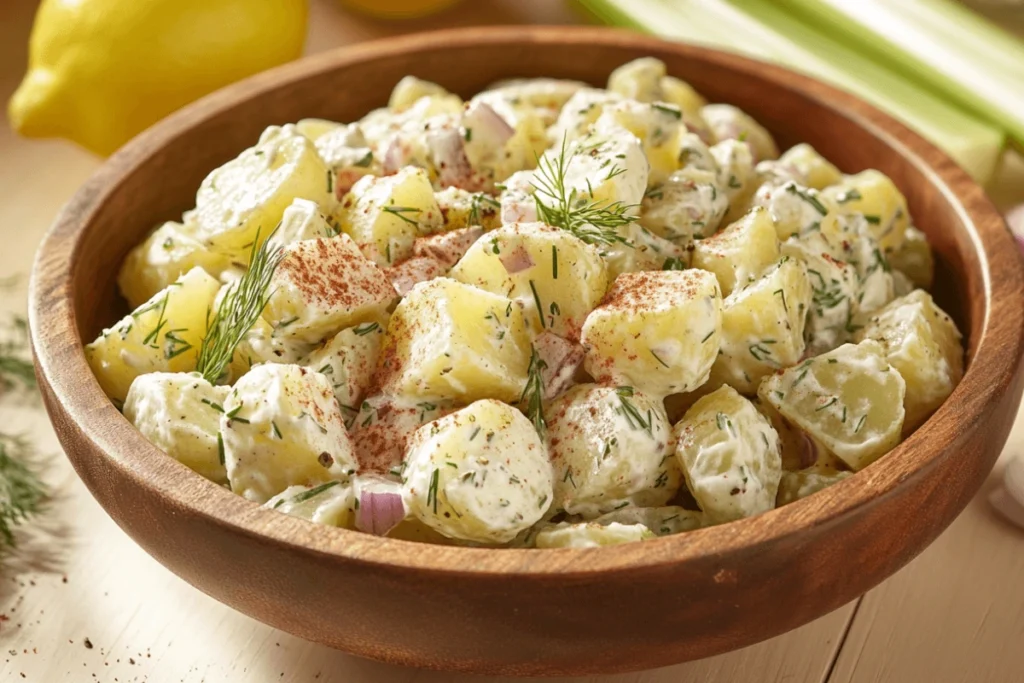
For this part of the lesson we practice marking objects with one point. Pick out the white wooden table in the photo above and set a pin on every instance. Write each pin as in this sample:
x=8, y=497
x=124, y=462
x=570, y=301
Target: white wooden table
x=81, y=602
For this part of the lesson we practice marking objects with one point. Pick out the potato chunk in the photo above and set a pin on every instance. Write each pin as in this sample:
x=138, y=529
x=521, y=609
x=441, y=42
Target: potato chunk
x=815, y=171
x=281, y=427
x=610, y=447
x=607, y=166
x=642, y=250
x=480, y=474
x=914, y=259
x=796, y=485
x=591, y=535
x=731, y=123
x=834, y=288
x=248, y=195
x=555, y=277
x=302, y=220
x=794, y=209
x=659, y=128
x=381, y=429
x=924, y=345
x=384, y=215
x=169, y=252
x=447, y=339
x=658, y=331
x=736, y=175
x=332, y=503
x=663, y=521
x=579, y=114
x=462, y=209
x=875, y=195
x=850, y=400
x=348, y=360
x=410, y=89
x=162, y=335
x=179, y=413
x=687, y=206
x=324, y=285
x=730, y=457
x=740, y=253
x=763, y=327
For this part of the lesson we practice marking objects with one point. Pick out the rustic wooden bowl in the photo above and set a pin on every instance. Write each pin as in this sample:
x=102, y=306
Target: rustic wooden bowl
x=524, y=611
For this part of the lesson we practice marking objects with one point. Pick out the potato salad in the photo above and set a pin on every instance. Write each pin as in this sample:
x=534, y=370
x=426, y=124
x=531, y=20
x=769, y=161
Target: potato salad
x=551, y=315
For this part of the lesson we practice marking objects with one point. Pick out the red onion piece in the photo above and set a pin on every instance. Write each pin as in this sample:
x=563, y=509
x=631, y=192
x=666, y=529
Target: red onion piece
x=516, y=261
x=487, y=126
x=562, y=358
x=808, y=451
x=379, y=512
x=448, y=154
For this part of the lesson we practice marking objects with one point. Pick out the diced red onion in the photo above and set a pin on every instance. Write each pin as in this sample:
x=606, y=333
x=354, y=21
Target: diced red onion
x=516, y=261
x=561, y=359
x=488, y=126
x=379, y=512
x=448, y=153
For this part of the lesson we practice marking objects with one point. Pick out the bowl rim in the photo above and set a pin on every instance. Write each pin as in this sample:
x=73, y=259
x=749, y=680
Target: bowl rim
x=64, y=372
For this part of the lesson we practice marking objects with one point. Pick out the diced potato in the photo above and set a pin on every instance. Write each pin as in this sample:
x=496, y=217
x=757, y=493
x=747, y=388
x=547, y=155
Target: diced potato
x=556, y=278
x=460, y=209
x=412, y=271
x=763, y=327
x=348, y=360
x=168, y=253
x=331, y=503
x=794, y=209
x=736, y=177
x=447, y=247
x=491, y=153
x=741, y=253
x=382, y=428
x=410, y=89
x=324, y=285
x=642, y=250
x=731, y=123
x=344, y=149
x=607, y=166
x=875, y=195
x=591, y=535
x=850, y=400
x=924, y=345
x=579, y=114
x=695, y=155
x=834, y=289
x=730, y=456
x=854, y=242
x=543, y=97
x=915, y=259
x=247, y=196
x=162, y=335
x=282, y=427
x=687, y=206
x=816, y=171
x=302, y=220
x=663, y=521
x=610, y=447
x=517, y=202
x=447, y=339
x=796, y=485
x=479, y=474
x=179, y=413
x=656, y=331
x=315, y=129
x=638, y=80
x=659, y=128
x=261, y=344
x=385, y=215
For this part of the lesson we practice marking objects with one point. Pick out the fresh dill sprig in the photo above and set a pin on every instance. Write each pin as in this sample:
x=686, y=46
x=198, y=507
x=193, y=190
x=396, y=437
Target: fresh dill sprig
x=22, y=493
x=532, y=398
x=592, y=221
x=15, y=367
x=239, y=310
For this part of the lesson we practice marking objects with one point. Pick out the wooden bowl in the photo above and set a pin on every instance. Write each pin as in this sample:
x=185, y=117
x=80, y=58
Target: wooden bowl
x=528, y=611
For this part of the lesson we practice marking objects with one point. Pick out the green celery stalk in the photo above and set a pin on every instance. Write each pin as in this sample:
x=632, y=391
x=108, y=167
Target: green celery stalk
x=757, y=28
x=925, y=40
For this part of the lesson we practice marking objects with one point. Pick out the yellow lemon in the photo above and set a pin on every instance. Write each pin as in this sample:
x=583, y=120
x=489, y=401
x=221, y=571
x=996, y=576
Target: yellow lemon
x=398, y=9
x=101, y=71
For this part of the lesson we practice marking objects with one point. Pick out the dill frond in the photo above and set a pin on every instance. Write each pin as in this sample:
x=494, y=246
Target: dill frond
x=22, y=493
x=15, y=367
x=592, y=221
x=532, y=398
x=239, y=310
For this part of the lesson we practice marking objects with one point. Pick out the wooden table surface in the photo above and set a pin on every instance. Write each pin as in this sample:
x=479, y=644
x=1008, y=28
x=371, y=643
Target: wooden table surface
x=80, y=602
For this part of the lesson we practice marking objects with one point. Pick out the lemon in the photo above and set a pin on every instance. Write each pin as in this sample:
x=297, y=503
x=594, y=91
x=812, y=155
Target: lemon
x=101, y=71
x=398, y=9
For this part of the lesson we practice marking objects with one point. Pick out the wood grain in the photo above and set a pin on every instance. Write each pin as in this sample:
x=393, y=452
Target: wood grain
x=513, y=611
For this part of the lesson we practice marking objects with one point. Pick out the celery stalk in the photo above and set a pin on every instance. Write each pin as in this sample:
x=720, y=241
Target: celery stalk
x=757, y=28
x=924, y=41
